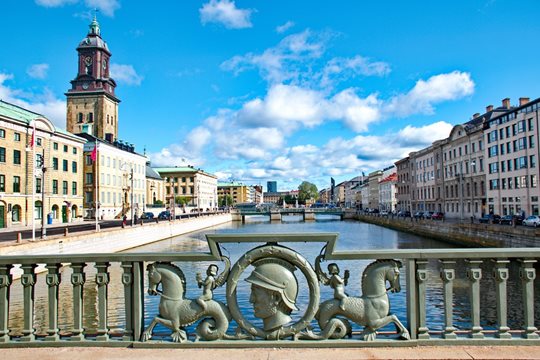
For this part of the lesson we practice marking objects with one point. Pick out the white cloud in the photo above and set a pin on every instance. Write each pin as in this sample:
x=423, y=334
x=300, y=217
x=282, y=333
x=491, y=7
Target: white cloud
x=436, y=89
x=45, y=103
x=226, y=13
x=125, y=74
x=282, y=28
x=55, y=3
x=338, y=69
x=106, y=7
x=286, y=61
x=38, y=71
x=414, y=136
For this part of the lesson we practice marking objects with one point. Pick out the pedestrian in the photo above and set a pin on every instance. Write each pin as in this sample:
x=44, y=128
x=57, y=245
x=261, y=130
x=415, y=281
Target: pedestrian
x=124, y=220
x=135, y=219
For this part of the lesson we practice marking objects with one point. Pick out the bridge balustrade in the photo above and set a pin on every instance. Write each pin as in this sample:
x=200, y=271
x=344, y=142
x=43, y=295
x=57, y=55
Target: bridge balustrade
x=427, y=274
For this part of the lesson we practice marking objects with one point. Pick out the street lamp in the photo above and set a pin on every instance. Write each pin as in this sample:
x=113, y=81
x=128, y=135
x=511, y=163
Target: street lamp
x=129, y=188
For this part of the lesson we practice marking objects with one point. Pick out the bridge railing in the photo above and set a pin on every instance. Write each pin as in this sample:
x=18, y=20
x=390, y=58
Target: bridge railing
x=483, y=282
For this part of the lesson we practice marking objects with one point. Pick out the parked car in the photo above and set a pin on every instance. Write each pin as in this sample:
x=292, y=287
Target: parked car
x=437, y=215
x=418, y=215
x=506, y=220
x=533, y=220
x=489, y=218
x=427, y=214
x=164, y=215
x=384, y=213
x=404, y=213
x=147, y=215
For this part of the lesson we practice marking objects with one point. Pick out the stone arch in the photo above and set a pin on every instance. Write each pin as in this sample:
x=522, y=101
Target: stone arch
x=74, y=210
x=16, y=213
x=55, y=211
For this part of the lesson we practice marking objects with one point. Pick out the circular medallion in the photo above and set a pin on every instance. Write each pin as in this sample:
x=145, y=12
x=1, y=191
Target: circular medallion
x=85, y=86
x=273, y=290
x=88, y=61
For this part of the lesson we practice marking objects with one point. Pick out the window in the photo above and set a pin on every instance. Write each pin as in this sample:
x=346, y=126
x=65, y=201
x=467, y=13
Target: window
x=531, y=142
x=38, y=141
x=494, y=184
x=2, y=133
x=88, y=160
x=494, y=168
x=2, y=183
x=16, y=213
x=493, y=151
x=55, y=187
x=480, y=145
x=492, y=136
x=55, y=163
x=90, y=117
x=531, y=124
x=74, y=188
x=17, y=136
x=16, y=184
x=74, y=167
x=521, y=163
x=74, y=151
x=65, y=165
x=80, y=118
x=16, y=157
x=532, y=161
x=64, y=187
x=2, y=154
x=38, y=186
x=65, y=148
x=533, y=181
x=55, y=146
x=89, y=178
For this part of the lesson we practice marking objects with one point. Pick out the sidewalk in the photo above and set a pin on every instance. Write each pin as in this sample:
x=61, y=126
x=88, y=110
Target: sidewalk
x=423, y=352
x=18, y=228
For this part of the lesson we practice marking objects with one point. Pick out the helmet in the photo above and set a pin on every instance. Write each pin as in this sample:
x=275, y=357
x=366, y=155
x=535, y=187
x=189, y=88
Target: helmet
x=276, y=275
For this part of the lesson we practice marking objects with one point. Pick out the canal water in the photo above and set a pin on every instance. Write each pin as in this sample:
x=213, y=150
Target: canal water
x=353, y=235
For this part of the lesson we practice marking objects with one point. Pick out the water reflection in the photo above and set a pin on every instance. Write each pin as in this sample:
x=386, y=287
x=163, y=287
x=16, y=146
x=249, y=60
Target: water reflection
x=352, y=236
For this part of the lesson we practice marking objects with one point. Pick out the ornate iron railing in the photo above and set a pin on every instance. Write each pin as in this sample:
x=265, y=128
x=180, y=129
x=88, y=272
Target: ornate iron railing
x=483, y=281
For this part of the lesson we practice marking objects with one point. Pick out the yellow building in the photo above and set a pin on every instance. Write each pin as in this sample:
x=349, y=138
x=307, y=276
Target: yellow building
x=155, y=186
x=198, y=187
x=239, y=192
x=58, y=189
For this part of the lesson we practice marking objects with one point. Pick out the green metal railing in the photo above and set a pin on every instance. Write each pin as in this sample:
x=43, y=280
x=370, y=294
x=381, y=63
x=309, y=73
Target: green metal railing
x=426, y=272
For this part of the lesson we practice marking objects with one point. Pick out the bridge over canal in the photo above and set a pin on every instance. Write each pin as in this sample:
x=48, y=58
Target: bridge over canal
x=275, y=214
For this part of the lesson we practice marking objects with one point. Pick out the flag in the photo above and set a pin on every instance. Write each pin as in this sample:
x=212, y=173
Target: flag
x=93, y=154
x=33, y=138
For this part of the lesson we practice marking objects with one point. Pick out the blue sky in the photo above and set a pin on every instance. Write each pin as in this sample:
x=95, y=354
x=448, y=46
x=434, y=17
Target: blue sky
x=279, y=90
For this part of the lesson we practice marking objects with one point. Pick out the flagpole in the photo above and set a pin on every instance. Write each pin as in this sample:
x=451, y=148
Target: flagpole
x=33, y=182
x=96, y=186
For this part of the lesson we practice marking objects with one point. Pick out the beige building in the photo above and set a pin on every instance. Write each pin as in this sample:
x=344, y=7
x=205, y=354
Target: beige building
x=57, y=191
x=121, y=179
x=404, y=169
x=239, y=192
x=155, y=187
x=373, y=195
x=511, y=155
x=387, y=189
x=198, y=187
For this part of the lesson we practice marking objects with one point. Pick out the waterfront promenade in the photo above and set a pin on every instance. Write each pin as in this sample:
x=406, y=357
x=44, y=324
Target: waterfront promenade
x=427, y=352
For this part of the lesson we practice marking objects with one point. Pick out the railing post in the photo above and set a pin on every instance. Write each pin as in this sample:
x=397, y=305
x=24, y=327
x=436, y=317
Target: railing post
x=78, y=278
x=127, y=280
x=501, y=274
x=421, y=276
x=53, y=280
x=5, y=283
x=527, y=273
x=102, y=281
x=448, y=274
x=412, y=302
x=28, y=280
x=138, y=299
x=474, y=273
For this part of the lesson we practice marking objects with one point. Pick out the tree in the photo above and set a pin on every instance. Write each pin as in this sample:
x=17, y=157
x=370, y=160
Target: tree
x=307, y=191
x=181, y=200
x=158, y=202
x=225, y=200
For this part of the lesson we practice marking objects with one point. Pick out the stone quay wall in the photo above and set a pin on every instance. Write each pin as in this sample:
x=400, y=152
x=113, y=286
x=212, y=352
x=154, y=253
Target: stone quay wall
x=464, y=234
x=114, y=240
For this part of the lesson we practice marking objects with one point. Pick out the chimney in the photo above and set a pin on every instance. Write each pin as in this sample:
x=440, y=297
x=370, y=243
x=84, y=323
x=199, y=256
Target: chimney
x=475, y=115
x=523, y=101
x=489, y=108
x=506, y=103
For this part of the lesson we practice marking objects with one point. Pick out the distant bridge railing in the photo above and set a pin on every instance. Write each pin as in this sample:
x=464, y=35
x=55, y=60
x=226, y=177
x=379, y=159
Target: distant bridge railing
x=494, y=288
x=266, y=211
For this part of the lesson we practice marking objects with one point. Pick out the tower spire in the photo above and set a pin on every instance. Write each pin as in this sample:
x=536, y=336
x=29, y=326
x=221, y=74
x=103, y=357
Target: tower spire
x=94, y=25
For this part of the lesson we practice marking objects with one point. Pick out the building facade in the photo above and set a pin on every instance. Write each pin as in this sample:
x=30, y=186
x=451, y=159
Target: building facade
x=44, y=179
x=194, y=187
x=155, y=187
x=512, y=154
x=114, y=178
x=403, y=173
x=373, y=184
x=388, y=190
x=240, y=193
x=271, y=186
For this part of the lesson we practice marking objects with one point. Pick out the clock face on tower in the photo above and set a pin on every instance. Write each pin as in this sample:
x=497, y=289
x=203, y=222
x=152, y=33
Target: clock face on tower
x=104, y=64
x=88, y=61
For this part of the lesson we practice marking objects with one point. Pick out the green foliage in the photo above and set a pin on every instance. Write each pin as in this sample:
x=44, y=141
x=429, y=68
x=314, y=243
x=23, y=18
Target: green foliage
x=158, y=202
x=182, y=200
x=225, y=200
x=307, y=191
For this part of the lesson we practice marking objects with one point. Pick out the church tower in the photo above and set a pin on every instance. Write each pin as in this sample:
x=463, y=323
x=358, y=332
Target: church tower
x=92, y=106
